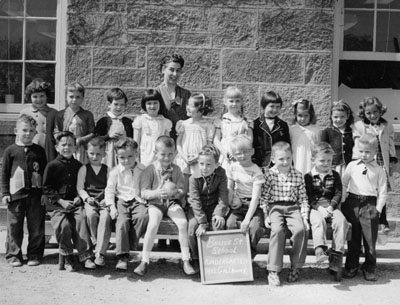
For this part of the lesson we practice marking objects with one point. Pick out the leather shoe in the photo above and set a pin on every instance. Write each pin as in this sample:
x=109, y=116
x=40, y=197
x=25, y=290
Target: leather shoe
x=141, y=269
x=349, y=274
x=369, y=276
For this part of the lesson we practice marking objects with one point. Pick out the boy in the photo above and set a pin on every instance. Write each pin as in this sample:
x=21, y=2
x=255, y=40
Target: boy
x=23, y=166
x=324, y=191
x=268, y=129
x=163, y=201
x=64, y=205
x=366, y=186
x=285, y=207
x=208, y=198
x=122, y=196
x=245, y=180
x=92, y=180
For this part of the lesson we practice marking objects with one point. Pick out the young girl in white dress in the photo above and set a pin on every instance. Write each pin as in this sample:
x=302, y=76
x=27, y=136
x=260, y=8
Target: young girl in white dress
x=231, y=124
x=303, y=135
x=193, y=134
x=150, y=125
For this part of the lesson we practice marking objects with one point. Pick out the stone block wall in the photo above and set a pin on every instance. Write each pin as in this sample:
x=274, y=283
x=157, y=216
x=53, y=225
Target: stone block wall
x=258, y=45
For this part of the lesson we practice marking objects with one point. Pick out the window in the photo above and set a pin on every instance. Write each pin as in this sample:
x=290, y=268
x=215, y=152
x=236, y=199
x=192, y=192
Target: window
x=31, y=34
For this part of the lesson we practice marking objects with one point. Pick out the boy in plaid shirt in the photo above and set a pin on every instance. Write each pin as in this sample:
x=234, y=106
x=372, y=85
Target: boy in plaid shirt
x=285, y=205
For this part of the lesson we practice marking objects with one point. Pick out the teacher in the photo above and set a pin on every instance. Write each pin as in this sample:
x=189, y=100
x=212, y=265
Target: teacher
x=175, y=98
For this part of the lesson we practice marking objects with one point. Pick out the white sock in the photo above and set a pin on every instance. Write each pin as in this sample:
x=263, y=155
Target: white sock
x=146, y=256
x=185, y=253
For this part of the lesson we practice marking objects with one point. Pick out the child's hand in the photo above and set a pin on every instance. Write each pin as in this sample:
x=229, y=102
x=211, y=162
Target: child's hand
x=6, y=200
x=77, y=201
x=66, y=204
x=244, y=226
x=267, y=222
x=115, y=135
x=113, y=212
x=201, y=229
x=192, y=159
x=163, y=194
x=324, y=212
x=219, y=222
x=306, y=224
x=236, y=203
x=91, y=201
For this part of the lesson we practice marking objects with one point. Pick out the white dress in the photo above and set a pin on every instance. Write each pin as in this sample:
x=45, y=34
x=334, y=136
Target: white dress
x=302, y=139
x=151, y=128
x=194, y=137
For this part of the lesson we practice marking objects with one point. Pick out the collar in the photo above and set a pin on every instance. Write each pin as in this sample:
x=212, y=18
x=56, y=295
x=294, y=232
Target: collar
x=228, y=117
x=113, y=116
x=138, y=165
x=371, y=163
x=219, y=171
x=347, y=129
x=45, y=108
x=159, y=168
x=315, y=173
x=176, y=100
x=158, y=117
x=63, y=159
x=19, y=143
x=275, y=170
x=368, y=122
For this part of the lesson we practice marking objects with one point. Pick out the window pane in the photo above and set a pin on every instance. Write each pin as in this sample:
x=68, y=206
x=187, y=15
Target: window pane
x=10, y=39
x=388, y=32
x=42, y=8
x=394, y=4
x=359, y=3
x=358, y=31
x=10, y=82
x=47, y=72
x=12, y=8
x=40, y=39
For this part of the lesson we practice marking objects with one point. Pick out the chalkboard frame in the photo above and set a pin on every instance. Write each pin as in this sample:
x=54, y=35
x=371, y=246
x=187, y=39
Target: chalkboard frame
x=230, y=279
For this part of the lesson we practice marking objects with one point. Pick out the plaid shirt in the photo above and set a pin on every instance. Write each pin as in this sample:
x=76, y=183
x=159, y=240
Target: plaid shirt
x=290, y=188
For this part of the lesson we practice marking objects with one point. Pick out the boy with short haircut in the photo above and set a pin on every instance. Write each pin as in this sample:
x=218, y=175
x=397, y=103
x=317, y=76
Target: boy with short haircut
x=285, y=206
x=64, y=205
x=162, y=186
x=268, y=129
x=245, y=180
x=365, y=192
x=208, y=197
x=324, y=191
x=92, y=180
x=21, y=185
x=122, y=197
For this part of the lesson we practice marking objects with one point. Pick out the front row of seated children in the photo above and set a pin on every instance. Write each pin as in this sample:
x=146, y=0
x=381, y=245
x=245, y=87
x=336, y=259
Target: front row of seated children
x=82, y=200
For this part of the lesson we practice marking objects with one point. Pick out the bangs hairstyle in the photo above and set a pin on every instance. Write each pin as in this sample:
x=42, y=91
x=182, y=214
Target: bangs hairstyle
x=307, y=105
x=65, y=134
x=210, y=150
x=344, y=107
x=36, y=86
x=270, y=97
x=369, y=139
x=96, y=142
x=153, y=95
x=233, y=92
x=202, y=103
x=27, y=119
x=369, y=101
x=167, y=141
x=171, y=58
x=321, y=148
x=76, y=87
x=280, y=146
x=125, y=143
x=240, y=142
x=116, y=94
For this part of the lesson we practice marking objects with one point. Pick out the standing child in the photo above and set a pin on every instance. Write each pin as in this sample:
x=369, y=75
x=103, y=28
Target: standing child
x=231, y=124
x=269, y=129
x=193, y=134
x=64, y=205
x=114, y=125
x=245, y=180
x=37, y=93
x=372, y=122
x=285, y=207
x=21, y=185
x=303, y=135
x=324, y=191
x=339, y=135
x=92, y=180
x=149, y=126
x=76, y=120
x=366, y=185
x=208, y=198
x=122, y=197
x=162, y=187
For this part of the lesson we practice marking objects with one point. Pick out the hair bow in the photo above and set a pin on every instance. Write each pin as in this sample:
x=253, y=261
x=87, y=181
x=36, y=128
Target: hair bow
x=337, y=102
x=295, y=102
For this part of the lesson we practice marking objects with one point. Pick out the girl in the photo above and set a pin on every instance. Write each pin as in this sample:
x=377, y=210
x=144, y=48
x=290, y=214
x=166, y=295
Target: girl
x=370, y=113
x=76, y=120
x=231, y=124
x=114, y=125
x=37, y=93
x=149, y=126
x=339, y=135
x=303, y=135
x=193, y=134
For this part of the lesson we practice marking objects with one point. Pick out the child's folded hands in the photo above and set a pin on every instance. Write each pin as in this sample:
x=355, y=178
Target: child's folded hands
x=219, y=222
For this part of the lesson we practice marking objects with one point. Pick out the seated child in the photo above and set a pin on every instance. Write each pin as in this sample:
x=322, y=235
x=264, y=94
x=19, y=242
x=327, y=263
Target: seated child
x=366, y=185
x=21, y=185
x=208, y=197
x=64, y=205
x=162, y=202
x=92, y=180
x=285, y=207
x=245, y=180
x=122, y=196
x=324, y=191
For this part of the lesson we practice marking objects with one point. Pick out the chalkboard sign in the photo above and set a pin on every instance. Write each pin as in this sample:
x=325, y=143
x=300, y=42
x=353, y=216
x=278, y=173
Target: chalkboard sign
x=225, y=257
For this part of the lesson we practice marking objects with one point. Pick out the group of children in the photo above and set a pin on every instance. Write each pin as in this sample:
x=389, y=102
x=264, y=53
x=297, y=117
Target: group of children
x=219, y=174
